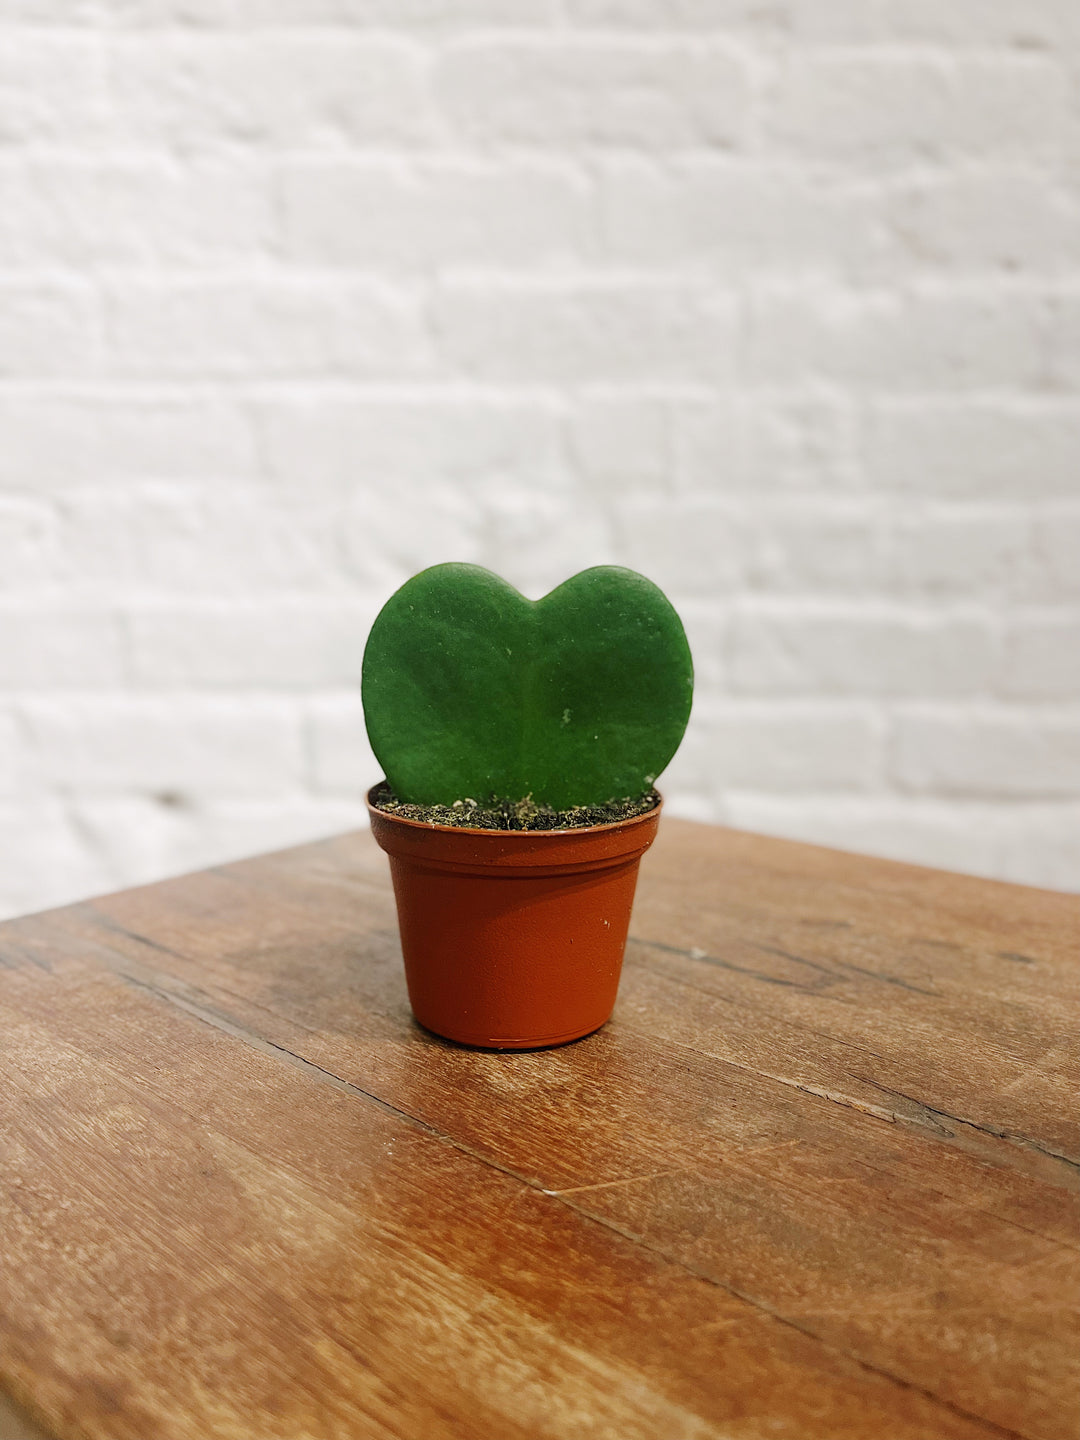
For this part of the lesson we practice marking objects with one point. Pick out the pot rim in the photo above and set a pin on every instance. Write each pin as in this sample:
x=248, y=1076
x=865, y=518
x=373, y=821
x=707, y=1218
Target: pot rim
x=583, y=830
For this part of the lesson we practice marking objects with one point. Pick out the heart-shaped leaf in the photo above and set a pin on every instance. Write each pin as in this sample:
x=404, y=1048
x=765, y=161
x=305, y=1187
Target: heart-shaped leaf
x=471, y=690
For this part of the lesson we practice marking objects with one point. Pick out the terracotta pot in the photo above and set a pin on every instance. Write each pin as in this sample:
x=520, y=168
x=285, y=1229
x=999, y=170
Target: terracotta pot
x=513, y=939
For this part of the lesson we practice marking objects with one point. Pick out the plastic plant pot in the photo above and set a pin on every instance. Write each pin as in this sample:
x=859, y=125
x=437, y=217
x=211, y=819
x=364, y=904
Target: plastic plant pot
x=513, y=939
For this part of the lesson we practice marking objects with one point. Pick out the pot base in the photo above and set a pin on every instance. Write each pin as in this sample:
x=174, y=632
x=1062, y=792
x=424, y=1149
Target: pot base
x=542, y=1042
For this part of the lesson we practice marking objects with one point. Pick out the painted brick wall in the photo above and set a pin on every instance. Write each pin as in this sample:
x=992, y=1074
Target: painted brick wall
x=775, y=300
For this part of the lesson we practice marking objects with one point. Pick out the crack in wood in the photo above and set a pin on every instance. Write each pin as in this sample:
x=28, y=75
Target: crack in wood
x=795, y=959
x=984, y=1127
x=209, y=1015
x=14, y=957
x=896, y=980
x=707, y=959
x=926, y=1116
x=115, y=928
x=827, y=971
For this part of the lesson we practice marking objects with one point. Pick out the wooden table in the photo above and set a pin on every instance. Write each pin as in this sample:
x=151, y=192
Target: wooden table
x=817, y=1178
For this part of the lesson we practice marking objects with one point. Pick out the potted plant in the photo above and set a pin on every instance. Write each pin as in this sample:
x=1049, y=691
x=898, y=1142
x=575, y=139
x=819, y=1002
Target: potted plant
x=520, y=741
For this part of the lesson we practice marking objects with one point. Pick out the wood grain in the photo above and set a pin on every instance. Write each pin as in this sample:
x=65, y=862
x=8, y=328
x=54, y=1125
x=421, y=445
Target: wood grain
x=817, y=1178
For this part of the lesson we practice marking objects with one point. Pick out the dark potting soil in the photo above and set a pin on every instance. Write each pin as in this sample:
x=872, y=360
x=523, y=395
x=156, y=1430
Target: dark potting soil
x=514, y=815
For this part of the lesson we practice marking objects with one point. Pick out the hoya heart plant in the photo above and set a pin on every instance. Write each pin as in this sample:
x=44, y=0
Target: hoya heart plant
x=475, y=695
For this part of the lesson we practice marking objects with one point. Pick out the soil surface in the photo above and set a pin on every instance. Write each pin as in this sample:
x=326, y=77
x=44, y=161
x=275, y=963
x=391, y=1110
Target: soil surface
x=514, y=815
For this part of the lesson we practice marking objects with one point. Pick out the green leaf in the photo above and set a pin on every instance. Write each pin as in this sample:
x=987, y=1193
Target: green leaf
x=472, y=691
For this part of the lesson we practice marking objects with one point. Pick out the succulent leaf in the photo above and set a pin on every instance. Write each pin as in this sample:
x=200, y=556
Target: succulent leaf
x=471, y=690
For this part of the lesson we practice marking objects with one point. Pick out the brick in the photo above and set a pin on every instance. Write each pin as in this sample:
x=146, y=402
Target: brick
x=1041, y=658
x=870, y=651
x=143, y=839
x=1011, y=105
x=951, y=339
x=423, y=15
x=598, y=92
x=183, y=538
x=43, y=14
x=707, y=622
x=601, y=332
x=1053, y=572
x=83, y=212
x=302, y=89
x=872, y=109
x=766, y=443
x=686, y=801
x=411, y=448
x=737, y=15
x=861, y=108
x=51, y=87
x=57, y=864
x=58, y=442
x=966, y=550
x=1063, y=366
x=28, y=544
x=714, y=448
x=12, y=765
x=1007, y=219
x=736, y=214
x=963, y=23
x=445, y=14
x=620, y=445
x=689, y=784
x=381, y=550
x=690, y=548
x=925, y=831
x=845, y=22
x=48, y=329
x=45, y=645
x=538, y=541
x=284, y=327
x=1040, y=845
x=176, y=745
x=813, y=546
x=791, y=748
x=1012, y=449
x=986, y=754
x=1027, y=843
x=342, y=762
x=379, y=215
x=278, y=644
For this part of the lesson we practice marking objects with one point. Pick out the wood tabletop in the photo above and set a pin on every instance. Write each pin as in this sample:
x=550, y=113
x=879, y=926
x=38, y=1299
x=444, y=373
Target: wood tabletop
x=817, y=1178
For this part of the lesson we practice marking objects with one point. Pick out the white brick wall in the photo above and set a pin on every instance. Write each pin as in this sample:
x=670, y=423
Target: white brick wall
x=775, y=300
